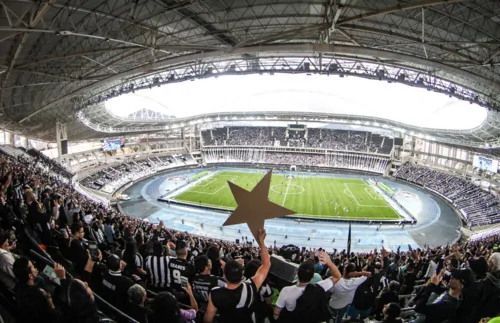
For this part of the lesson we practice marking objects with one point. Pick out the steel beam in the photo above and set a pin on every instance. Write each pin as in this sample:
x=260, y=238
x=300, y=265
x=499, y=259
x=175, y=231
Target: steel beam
x=398, y=7
x=279, y=48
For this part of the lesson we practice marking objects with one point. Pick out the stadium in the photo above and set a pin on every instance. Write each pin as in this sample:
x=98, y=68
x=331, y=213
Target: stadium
x=126, y=124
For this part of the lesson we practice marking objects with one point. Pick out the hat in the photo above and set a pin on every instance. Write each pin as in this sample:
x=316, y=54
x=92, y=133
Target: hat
x=465, y=276
x=26, y=187
x=479, y=266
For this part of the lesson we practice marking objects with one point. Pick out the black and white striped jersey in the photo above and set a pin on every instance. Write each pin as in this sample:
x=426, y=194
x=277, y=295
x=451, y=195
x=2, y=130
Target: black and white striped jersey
x=235, y=305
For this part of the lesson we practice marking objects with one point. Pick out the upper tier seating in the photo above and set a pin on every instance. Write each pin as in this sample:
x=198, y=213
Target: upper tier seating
x=344, y=140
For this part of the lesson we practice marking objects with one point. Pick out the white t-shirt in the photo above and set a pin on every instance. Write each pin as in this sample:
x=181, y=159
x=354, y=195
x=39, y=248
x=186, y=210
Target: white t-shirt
x=343, y=292
x=288, y=295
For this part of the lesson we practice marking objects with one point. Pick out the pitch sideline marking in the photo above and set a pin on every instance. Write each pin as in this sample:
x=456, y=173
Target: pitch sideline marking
x=286, y=193
x=370, y=192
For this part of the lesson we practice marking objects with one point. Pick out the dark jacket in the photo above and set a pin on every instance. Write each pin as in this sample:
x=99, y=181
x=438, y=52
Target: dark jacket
x=442, y=308
x=489, y=304
x=468, y=309
x=32, y=303
x=79, y=254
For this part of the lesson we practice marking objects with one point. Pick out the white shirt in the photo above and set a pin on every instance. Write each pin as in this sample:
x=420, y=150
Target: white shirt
x=288, y=295
x=343, y=291
x=6, y=268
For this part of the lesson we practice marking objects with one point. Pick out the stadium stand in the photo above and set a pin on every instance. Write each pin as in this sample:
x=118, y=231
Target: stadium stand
x=478, y=206
x=342, y=140
x=111, y=178
x=369, y=163
x=45, y=223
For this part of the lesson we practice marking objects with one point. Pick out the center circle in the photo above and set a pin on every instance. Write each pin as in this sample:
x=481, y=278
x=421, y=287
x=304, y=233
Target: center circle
x=292, y=189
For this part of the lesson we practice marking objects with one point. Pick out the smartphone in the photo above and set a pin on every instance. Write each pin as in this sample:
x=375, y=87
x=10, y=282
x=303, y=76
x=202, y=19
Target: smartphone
x=49, y=272
x=94, y=250
x=184, y=281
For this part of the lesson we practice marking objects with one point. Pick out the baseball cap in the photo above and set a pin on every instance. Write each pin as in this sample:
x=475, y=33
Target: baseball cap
x=465, y=276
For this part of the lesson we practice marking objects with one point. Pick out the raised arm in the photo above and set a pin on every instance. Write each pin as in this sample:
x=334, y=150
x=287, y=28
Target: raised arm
x=335, y=273
x=265, y=259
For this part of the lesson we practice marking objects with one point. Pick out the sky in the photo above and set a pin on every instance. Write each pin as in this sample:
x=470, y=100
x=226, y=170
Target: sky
x=313, y=93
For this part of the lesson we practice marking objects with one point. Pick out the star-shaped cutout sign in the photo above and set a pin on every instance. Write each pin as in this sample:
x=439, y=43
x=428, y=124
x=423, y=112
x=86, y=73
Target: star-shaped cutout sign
x=254, y=207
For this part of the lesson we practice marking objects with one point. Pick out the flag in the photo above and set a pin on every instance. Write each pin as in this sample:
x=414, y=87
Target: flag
x=349, y=240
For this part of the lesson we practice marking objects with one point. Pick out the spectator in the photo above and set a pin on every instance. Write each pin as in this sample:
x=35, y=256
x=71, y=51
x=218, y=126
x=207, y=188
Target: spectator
x=438, y=305
x=33, y=301
x=234, y=302
x=214, y=256
x=7, y=259
x=343, y=291
x=81, y=304
x=78, y=249
x=137, y=297
x=391, y=312
x=388, y=295
x=204, y=282
x=306, y=302
x=364, y=298
x=262, y=305
x=180, y=267
x=114, y=285
x=157, y=268
x=109, y=231
x=166, y=309
x=489, y=303
x=133, y=259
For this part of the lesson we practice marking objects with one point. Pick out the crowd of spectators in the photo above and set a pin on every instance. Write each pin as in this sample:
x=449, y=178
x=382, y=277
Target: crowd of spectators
x=479, y=206
x=336, y=160
x=154, y=274
x=110, y=178
x=343, y=140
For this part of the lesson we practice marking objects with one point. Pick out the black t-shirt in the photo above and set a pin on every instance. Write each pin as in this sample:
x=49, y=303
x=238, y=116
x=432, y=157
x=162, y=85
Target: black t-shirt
x=79, y=254
x=235, y=305
x=114, y=289
x=203, y=284
x=179, y=268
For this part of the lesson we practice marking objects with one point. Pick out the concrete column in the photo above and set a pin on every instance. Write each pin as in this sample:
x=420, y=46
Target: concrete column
x=61, y=140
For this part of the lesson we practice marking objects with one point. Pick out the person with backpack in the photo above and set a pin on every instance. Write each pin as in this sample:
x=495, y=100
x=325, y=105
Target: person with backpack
x=364, y=298
x=305, y=302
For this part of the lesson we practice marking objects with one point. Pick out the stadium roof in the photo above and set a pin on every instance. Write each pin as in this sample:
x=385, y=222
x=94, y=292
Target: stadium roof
x=58, y=57
x=305, y=93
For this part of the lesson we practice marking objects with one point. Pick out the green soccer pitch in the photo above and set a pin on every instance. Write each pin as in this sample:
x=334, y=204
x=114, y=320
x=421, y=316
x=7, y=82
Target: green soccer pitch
x=315, y=197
